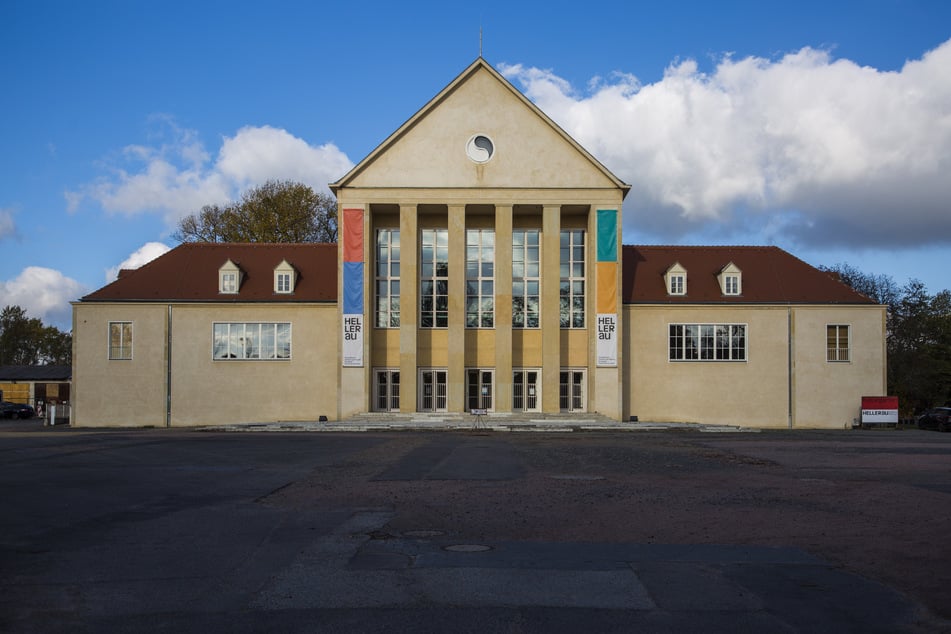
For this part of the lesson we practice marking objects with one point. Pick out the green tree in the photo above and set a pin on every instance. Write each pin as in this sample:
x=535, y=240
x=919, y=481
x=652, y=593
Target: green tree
x=277, y=211
x=26, y=341
x=918, y=337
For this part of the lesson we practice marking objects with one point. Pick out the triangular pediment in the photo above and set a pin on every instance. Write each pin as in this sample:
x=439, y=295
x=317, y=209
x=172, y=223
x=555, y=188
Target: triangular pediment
x=445, y=144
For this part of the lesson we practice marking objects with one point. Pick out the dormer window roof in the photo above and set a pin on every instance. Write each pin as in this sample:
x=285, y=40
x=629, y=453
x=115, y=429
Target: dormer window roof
x=676, y=280
x=285, y=278
x=731, y=280
x=230, y=277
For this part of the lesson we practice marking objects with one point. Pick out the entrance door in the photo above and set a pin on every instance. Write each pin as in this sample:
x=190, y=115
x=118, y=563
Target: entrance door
x=432, y=390
x=386, y=397
x=525, y=388
x=479, y=389
x=571, y=390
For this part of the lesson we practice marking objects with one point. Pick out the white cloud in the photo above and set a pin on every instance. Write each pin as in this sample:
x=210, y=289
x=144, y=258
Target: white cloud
x=43, y=293
x=143, y=255
x=176, y=175
x=8, y=227
x=828, y=150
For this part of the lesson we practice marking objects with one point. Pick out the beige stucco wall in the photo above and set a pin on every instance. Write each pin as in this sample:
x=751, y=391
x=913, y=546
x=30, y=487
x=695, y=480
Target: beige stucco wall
x=752, y=393
x=829, y=394
x=203, y=391
x=766, y=390
x=118, y=393
x=431, y=151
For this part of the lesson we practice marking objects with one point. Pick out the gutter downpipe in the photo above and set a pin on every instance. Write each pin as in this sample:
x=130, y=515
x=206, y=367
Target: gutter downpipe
x=168, y=368
x=789, y=366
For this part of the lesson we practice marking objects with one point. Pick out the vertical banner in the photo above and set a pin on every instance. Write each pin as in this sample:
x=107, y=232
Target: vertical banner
x=607, y=325
x=353, y=288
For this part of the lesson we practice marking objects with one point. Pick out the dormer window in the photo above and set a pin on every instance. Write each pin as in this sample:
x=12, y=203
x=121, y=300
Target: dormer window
x=229, y=278
x=731, y=280
x=676, y=279
x=285, y=278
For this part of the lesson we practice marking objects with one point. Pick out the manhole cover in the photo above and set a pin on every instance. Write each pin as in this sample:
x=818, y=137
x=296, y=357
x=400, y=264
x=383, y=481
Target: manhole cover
x=576, y=477
x=467, y=548
x=422, y=533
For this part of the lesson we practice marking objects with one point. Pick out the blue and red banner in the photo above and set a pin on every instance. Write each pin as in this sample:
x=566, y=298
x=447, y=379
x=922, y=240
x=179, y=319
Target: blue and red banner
x=353, y=287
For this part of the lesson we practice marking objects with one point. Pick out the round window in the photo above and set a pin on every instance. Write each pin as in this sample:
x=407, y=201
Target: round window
x=479, y=148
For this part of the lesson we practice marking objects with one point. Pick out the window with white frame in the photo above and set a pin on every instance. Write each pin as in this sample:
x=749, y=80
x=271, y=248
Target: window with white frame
x=707, y=342
x=571, y=291
x=676, y=280
x=284, y=276
x=283, y=284
x=388, y=278
x=731, y=281
x=837, y=342
x=229, y=282
x=480, y=278
x=526, y=278
x=251, y=341
x=120, y=340
x=678, y=283
x=732, y=284
x=434, y=279
x=229, y=278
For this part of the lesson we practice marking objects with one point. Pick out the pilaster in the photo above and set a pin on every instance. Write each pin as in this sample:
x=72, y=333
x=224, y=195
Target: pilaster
x=457, y=308
x=503, y=308
x=550, y=308
x=409, y=302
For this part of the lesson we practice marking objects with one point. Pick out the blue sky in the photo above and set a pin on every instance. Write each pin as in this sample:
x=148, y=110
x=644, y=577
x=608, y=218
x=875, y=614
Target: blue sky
x=821, y=127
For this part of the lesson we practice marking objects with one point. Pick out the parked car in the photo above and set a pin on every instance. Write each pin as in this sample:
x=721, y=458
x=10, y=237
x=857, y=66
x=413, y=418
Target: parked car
x=16, y=410
x=936, y=418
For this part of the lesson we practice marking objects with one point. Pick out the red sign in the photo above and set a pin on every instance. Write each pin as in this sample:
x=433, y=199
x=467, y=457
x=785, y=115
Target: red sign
x=879, y=409
x=879, y=402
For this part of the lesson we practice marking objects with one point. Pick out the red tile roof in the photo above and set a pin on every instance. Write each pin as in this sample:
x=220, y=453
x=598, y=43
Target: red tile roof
x=769, y=276
x=189, y=272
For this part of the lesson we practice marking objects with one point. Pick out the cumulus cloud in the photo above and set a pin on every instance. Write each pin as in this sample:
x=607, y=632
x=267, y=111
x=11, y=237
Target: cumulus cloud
x=143, y=255
x=820, y=149
x=43, y=293
x=175, y=175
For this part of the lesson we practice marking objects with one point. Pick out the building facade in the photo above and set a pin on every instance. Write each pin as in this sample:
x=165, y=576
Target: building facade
x=480, y=267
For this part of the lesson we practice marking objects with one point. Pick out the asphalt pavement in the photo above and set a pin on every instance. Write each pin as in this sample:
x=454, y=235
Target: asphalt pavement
x=184, y=531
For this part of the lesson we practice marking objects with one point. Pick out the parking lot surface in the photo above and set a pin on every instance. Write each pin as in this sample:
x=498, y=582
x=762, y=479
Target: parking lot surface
x=184, y=531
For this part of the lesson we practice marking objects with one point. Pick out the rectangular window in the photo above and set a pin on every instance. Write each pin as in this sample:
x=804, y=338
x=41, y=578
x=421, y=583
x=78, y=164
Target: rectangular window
x=283, y=282
x=837, y=343
x=479, y=389
x=120, y=340
x=676, y=284
x=480, y=278
x=251, y=341
x=526, y=278
x=732, y=284
x=571, y=293
x=229, y=282
x=388, y=278
x=706, y=342
x=434, y=279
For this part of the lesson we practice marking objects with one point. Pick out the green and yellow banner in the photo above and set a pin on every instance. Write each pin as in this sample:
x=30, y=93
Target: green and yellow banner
x=607, y=291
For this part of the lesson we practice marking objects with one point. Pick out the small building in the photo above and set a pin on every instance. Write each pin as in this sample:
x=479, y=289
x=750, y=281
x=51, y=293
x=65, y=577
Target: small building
x=36, y=385
x=480, y=267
